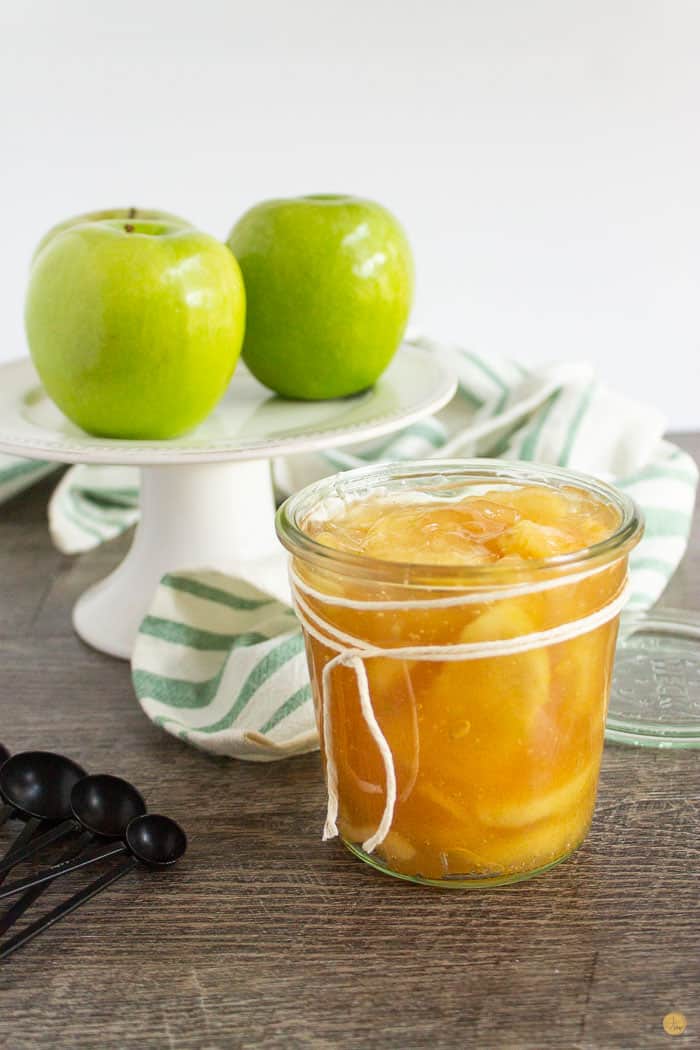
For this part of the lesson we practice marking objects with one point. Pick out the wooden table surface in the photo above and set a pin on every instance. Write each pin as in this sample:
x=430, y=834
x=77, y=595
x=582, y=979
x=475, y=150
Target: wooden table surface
x=264, y=936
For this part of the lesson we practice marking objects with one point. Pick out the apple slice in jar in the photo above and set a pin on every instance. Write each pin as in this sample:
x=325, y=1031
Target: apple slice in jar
x=535, y=541
x=484, y=712
x=529, y=848
x=544, y=506
x=540, y=805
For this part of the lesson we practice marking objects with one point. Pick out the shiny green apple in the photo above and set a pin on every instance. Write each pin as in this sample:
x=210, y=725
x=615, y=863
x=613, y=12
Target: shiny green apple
x=329, y=284
x=127, y=214
x=135, y=326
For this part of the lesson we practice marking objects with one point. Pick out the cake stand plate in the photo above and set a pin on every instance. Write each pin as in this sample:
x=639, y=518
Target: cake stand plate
x=206, y=498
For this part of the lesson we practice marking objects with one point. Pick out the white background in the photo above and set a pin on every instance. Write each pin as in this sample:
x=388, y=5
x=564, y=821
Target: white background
x=544, y=155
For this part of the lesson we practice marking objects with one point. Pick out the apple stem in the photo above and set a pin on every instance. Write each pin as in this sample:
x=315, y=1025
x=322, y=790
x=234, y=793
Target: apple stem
x=132, y=213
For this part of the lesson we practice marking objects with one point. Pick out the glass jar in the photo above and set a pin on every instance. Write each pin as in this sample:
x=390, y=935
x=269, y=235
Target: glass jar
x=461, y=708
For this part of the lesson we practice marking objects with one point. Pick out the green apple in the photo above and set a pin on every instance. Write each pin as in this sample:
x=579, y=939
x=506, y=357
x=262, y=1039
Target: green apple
x=135, y=326
x=329, y=283
x=127, y=214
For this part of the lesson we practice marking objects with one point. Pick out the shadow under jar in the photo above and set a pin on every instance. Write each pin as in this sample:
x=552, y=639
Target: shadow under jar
x=460, y=620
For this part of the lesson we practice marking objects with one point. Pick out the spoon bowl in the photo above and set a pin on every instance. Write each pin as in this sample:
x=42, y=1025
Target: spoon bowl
x=155, y=840
x=36, y=785
x=39, y=784
x=105, y=805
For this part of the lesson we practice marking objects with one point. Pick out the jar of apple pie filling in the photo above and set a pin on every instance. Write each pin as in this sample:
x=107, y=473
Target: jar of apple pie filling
x=460, y=621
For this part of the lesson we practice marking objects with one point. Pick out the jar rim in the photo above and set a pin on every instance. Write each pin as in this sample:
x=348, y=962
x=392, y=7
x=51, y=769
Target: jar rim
x=298, y=506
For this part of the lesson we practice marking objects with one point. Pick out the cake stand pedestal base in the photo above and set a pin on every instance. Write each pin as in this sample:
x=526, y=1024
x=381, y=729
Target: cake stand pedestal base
x=195, y=516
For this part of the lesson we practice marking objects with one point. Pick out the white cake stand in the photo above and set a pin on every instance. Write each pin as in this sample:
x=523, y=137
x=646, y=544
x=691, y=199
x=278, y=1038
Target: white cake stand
x=206, y=498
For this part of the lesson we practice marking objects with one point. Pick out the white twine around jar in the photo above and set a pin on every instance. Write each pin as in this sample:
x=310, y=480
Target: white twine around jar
x=353, y=651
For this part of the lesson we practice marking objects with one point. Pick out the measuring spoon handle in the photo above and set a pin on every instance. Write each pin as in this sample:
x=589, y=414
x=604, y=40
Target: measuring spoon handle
x=5, y=813
x=18, y=853
x=30, y=828
x=62, y=869
x=62, y=910
x=17, y=910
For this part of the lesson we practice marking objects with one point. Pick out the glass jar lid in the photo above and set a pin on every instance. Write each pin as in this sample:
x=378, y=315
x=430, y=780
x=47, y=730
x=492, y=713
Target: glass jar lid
x=655, y=695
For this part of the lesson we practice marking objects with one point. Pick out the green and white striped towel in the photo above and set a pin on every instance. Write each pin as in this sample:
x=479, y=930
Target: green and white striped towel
x=221, y=664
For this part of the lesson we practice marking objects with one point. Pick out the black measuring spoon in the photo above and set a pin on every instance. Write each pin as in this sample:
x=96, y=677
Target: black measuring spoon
x=103, y=807
x=37, y=785
x=152, y=840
